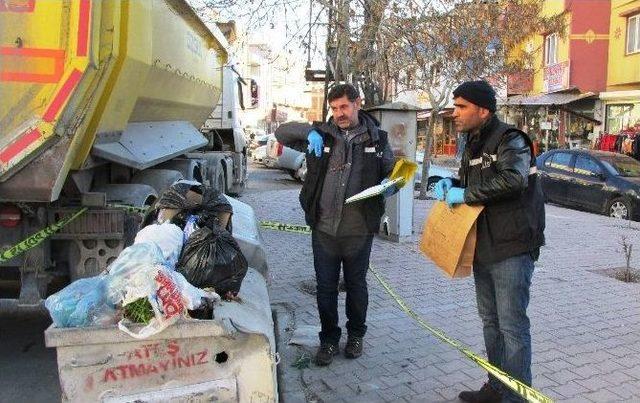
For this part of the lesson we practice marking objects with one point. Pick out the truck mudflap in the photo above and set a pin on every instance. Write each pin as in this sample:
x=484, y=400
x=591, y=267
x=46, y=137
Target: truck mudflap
x=229, y=358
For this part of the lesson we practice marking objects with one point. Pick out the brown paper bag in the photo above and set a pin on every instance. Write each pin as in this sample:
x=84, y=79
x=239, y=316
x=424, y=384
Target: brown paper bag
x=449, y=237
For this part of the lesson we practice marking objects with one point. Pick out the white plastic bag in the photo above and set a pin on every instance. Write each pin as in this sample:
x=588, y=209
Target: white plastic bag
x=167, y=236
x=168, y=292
x=134, y=256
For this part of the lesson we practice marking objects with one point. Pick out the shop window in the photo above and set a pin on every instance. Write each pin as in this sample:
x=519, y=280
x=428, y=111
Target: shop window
x=551, y=49
x=622, y=116
x=559, y=161
x=587, y=166
x=633, y=34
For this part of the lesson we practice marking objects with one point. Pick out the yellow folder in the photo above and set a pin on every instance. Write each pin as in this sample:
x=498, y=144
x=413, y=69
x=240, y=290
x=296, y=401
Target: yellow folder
x=404, y=169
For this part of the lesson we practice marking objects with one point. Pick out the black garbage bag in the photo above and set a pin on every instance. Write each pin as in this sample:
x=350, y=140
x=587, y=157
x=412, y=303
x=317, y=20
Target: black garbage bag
x=206, y=207
x=293, y=134
x=212, y=258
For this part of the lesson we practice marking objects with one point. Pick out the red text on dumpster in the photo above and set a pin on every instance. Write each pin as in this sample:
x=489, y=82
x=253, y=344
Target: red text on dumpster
x=136, y=370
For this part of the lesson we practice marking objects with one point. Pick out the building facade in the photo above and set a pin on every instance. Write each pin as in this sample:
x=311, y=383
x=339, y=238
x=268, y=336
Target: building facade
x=621, y=100
x=556, y=101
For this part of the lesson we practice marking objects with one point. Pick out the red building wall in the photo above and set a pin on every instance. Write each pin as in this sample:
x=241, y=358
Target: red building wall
x=589, y=43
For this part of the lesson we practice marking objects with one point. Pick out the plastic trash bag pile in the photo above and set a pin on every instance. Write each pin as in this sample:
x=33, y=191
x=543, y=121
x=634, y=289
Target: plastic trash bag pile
x=182, y=259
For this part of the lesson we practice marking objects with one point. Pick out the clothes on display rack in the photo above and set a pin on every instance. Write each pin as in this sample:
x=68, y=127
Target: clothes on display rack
x=626, y=142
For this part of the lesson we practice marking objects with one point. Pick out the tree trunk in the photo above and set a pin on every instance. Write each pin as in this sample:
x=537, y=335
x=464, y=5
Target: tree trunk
x=426, y=160
x=343, y=40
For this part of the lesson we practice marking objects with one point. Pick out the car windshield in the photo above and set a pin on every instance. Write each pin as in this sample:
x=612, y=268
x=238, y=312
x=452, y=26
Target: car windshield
x=623, y=166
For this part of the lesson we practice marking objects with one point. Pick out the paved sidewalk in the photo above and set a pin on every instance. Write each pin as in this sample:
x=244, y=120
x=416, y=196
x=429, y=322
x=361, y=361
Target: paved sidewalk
x=585, y=326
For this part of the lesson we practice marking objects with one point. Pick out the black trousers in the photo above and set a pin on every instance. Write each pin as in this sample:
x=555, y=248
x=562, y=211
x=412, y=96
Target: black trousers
x=329, y=253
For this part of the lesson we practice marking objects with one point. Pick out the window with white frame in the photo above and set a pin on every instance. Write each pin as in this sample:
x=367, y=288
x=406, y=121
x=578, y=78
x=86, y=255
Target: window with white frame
x=633, y=34
x=551, y=49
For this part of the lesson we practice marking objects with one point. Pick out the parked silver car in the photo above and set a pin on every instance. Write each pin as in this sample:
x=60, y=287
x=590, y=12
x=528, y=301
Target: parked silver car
x=288, y=159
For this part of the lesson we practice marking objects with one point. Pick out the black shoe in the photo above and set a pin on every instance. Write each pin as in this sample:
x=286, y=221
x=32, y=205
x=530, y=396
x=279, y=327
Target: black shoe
x=353, y=349
x=486, y=394
x=325, y=354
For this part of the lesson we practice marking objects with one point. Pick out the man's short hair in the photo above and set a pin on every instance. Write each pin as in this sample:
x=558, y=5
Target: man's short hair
x=340, y=90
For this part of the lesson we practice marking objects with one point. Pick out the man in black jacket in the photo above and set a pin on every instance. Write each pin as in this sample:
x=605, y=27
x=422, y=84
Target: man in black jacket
x=346, y=155
x=498, y=172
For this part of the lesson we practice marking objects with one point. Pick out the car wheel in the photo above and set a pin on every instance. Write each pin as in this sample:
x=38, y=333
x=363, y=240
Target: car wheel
x=619, y=208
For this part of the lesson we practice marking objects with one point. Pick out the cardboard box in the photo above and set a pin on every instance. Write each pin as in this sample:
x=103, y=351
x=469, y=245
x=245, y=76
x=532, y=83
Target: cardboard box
x=449, y=237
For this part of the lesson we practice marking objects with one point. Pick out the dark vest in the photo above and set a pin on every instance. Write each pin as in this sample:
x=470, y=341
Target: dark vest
x=508, y=227
x=371, y=171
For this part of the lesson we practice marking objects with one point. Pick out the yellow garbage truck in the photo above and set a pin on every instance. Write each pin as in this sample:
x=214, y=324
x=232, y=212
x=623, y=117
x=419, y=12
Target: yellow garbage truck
x=104, y=104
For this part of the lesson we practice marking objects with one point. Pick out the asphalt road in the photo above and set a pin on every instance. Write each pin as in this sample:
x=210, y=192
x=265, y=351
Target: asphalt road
x=28, y=371
x=262, y=179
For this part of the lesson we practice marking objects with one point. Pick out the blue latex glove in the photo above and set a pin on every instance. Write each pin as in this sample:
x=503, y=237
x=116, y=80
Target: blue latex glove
x=442, y=187
x=315, y=143
x=455, y=196
x=391, y=190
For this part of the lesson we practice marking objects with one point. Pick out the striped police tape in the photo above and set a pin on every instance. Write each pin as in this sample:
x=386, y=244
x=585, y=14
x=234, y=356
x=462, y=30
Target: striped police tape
x=278, y=226
x=36, y=239
x=525, y=391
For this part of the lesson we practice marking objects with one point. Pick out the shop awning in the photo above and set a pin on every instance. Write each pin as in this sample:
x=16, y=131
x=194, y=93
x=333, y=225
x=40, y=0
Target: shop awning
x=558, y=98
x=633, y=95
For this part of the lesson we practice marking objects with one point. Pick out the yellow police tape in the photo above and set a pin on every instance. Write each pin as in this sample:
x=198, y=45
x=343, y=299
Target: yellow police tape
x=131, y=209
x=277, y=226
x=520, y=388
x=523, y=390
x=37, y=238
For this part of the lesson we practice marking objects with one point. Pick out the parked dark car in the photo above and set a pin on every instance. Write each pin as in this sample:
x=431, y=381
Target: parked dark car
x=597, y=181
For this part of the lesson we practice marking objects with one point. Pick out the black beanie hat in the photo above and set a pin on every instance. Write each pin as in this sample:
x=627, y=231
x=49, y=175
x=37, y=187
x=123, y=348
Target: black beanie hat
x=477, y=92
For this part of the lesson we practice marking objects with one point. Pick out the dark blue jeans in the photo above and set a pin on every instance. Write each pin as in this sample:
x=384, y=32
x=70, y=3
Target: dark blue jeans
x=502, y=293
x=329, y=253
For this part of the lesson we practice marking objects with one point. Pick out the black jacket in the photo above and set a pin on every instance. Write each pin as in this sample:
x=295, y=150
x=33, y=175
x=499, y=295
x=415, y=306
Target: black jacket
x=369, y=168
x=498, y=171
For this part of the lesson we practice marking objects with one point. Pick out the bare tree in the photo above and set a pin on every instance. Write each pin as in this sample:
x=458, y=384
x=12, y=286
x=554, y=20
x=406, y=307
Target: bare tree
x=388, y=46
x=455, y=40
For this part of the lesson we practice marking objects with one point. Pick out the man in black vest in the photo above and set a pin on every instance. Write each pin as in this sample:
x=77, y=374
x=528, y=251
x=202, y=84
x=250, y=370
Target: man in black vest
x=346, y=155
x=498, y=172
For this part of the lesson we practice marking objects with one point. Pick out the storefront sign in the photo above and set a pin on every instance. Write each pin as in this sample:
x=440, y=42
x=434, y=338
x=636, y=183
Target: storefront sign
x=556, y=77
